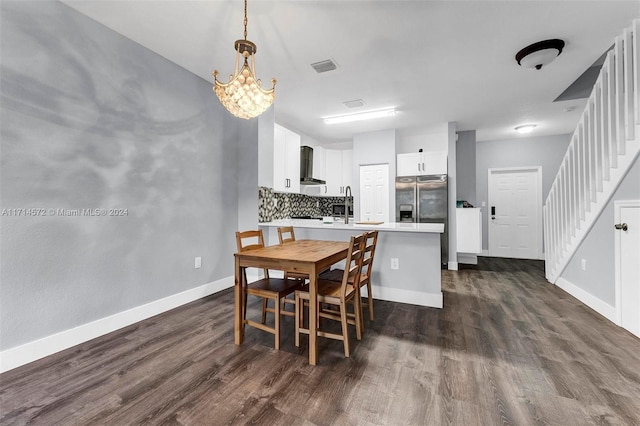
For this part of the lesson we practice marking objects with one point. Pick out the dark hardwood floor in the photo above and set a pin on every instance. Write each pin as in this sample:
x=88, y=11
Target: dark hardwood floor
x=508, y=348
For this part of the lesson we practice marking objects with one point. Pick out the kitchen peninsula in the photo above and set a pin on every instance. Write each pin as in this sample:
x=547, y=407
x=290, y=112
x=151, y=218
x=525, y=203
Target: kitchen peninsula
x=415, y=278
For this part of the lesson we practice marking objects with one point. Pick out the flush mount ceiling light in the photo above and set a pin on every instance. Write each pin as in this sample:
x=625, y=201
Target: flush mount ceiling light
x=525, y=128
x=540, y=54
x=368, y=115
x=243, y=96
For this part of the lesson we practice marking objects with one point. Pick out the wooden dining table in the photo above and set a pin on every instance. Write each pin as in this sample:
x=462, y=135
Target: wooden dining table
x=305, y=256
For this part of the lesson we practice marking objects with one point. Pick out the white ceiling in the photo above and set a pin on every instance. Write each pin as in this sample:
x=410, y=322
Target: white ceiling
x=436, y=61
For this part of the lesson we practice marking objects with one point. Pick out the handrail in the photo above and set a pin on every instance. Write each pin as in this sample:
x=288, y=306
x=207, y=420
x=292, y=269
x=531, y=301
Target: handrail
x=603, y=146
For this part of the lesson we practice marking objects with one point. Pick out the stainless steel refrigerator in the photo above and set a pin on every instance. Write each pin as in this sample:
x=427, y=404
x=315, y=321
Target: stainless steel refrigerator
x=424, y=199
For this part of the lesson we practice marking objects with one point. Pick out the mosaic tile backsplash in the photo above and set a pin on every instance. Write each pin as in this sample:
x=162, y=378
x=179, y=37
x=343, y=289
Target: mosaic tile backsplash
x=277, y=205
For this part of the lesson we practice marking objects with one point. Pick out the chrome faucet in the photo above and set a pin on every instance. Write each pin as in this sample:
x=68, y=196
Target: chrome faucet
x=347, y=194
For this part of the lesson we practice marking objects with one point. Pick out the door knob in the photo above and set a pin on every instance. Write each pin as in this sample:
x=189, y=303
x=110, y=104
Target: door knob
x=622, y=226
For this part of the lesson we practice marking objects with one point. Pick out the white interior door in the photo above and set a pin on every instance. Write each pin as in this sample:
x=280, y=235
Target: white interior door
x=515, y=213
x=627, y=253
x=374, y=193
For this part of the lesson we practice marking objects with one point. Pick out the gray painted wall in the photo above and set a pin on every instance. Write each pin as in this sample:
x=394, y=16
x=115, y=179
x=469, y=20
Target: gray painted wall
x=598, y=248
x=466, y=166
x=92, y=120
x=545, y=151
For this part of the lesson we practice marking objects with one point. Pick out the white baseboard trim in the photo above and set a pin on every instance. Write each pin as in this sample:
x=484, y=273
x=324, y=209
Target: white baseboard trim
x=468, y=258
x=452, y=266
x=432, y=300
x=37, y=349
x=603, y=308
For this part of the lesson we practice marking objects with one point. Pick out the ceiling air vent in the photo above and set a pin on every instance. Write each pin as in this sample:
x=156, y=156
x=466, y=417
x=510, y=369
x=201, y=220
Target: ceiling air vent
x=324, y=66
x=354, y=103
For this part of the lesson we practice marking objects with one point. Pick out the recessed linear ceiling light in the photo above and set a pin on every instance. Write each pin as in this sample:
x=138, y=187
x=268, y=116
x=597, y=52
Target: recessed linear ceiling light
x=525, y=128
x=369, y=115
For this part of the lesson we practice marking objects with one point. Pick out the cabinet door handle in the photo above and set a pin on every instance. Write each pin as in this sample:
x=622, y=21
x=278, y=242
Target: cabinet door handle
x=325, y=189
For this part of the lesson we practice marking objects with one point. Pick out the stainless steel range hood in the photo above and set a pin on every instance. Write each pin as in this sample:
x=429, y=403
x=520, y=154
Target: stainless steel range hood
x=306, y=167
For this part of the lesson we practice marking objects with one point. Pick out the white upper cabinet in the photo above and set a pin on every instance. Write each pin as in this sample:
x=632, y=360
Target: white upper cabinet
x=408, y=164
x=421, y=163
x=338, y=171
x=286, y=160
x=318, y=162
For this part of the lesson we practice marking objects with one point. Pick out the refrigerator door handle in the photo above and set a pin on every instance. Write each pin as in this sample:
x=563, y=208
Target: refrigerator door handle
x=416, y=196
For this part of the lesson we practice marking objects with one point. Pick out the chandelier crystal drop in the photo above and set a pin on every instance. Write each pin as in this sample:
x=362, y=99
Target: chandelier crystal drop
x=243, y=96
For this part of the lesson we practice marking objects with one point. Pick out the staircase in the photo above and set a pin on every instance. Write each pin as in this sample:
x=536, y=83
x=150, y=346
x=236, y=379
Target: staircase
x=603, y=147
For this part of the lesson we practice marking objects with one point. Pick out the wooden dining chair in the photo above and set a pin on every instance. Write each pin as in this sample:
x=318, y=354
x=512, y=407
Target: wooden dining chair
x=267, y=288
x=285, y=235
x=367, y=266
x=338, y=294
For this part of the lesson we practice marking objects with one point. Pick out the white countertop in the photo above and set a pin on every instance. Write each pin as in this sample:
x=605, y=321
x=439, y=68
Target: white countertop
x=384, y=227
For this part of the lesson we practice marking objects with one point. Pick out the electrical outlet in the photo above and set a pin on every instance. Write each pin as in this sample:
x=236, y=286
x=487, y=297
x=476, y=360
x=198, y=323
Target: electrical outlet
x=395, y=263
x=198, y=262
x=584, y=264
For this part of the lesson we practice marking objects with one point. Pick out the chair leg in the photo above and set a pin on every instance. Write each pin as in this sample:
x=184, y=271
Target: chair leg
x=264, y=309
x=370, y=296
x=357, y=309
x=298, y=319
x=244, y=311
x=277, y=323
x=345, y=330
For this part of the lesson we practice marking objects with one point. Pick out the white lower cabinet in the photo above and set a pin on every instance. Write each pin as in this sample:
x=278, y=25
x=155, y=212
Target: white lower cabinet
x=469, y=230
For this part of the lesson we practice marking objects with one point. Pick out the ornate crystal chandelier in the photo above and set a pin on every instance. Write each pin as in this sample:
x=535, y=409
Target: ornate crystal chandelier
x=243, y=95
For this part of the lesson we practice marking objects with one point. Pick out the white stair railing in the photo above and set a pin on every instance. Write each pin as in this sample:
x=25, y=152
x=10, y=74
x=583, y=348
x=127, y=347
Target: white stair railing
x=603, y=147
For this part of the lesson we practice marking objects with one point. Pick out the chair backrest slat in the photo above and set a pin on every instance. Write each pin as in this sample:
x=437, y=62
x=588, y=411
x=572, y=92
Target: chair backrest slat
x=369, y=252
x=286, y=234
x=245, y=242
x=353, y=265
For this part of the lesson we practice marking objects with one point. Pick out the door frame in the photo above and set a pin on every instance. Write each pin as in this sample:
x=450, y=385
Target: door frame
x=539, y=234
x=617, y=206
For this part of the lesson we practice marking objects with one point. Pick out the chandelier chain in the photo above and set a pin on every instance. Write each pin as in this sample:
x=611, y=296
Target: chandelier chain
x=245, y=19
